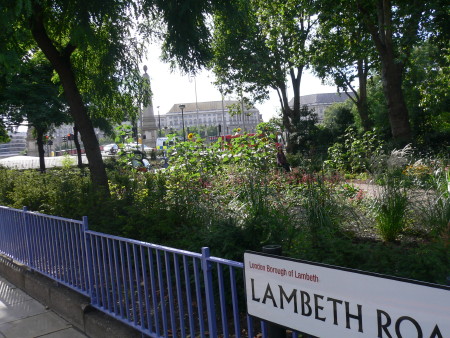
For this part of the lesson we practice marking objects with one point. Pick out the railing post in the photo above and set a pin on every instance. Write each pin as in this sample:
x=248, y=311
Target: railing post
x=207, y=274
x=89, y=262
x=27, y=230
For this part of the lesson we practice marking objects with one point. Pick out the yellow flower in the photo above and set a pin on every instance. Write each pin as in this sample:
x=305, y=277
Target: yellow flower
x=239, y=129
x=190, y=136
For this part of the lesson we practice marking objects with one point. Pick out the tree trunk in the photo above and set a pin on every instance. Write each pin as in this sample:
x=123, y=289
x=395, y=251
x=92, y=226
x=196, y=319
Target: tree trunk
x=77, y=145
x=363, y=107
x=291, y=116
x=392, y=76
x=41, y=151
x=60, y=60
x=391, y=68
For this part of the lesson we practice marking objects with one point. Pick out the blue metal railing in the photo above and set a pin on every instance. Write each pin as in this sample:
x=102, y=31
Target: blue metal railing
x=158, y=290
x=53, y=246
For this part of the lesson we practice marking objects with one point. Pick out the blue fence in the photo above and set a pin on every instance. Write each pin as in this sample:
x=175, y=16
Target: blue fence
x=158, y=290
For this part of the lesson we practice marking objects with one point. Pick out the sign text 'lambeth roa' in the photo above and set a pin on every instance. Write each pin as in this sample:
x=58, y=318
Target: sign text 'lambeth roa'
x=326, y=301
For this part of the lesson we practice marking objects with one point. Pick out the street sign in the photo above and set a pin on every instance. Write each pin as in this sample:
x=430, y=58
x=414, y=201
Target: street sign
x=327, y=301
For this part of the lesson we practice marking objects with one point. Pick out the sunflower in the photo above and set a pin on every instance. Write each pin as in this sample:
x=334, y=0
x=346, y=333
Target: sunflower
x=190, y=136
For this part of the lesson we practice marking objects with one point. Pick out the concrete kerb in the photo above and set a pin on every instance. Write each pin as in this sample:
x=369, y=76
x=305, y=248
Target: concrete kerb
x=66, y=302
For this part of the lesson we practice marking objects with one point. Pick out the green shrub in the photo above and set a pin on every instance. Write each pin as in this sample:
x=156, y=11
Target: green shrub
x=70, y=191
x=355, y=154
x=241, y=204
x=7, y=178
x=31, y=189
x=390, y=208
x=432, y=206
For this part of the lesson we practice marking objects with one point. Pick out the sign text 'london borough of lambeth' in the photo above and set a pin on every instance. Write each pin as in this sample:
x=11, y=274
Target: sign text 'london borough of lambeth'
x=327, y=301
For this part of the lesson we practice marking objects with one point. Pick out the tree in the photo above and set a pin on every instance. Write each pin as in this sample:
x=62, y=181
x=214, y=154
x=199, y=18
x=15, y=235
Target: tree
x=31, y=96
x=95, y=47
x=343, y=51
x=260, y=46
x=394, y=27
x=77, y=36
x=427, y=95
x=307, y=131
x=337, y=118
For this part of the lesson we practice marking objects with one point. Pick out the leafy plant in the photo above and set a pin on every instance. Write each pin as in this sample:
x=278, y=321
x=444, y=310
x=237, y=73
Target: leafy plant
x=7, y=178
x=433, y=205
x=390, y=210
x=67, y=162
x=355, y=154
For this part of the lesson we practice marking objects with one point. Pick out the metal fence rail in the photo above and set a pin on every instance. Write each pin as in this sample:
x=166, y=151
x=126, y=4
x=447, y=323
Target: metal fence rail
x=158, y=290
x=53, y=246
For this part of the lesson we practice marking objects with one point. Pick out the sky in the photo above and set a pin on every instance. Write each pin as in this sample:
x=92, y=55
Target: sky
x=171, y=88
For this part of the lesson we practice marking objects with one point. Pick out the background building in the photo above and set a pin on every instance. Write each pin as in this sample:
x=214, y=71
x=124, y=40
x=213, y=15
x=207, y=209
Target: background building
x=320, y=102
x=207, y=114
x=16, y=146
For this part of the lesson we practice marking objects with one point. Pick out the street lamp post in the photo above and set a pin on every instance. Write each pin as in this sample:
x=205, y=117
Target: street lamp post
x=159, y=123
x=243, y=115
x=196, y=103
x=223, y=116
x=141, y=114
x=182, y=106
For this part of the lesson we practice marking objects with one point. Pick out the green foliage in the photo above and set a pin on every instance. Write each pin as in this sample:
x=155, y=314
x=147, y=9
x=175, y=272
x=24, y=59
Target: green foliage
x=7, y=178
x=67, y=162
x=434, y=210
x=245, y=153
x=249, y=219
x=321, y=212
x=96, y=47
x=4, y=137
x=194, y=158
x=235, y=206
x=344, y=52
x=337, y=118
x=269, y=129
x=378, y=108
x=305, y=132
x=426, y=83
x=35, y=196
x=390, y=209
x=427, y=262
x=355, y=154
x=30, y=95
x=264, y=45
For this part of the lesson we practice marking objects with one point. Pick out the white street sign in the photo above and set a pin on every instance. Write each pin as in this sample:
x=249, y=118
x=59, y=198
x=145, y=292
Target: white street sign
x=331, y=302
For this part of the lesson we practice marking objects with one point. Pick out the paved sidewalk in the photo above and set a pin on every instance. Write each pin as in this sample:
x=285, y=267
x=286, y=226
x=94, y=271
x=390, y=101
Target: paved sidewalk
x=23, y=317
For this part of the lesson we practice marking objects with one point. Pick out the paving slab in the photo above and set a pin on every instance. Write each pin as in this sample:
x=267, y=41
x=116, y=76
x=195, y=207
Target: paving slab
x=34, y=326
x=67, y=333
x=24, y=317
x=28, y=308
x=9, y=294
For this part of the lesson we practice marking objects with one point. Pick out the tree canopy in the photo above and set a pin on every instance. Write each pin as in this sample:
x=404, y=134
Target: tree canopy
x=95, y=48
x=31, y=96
x=261, y=47
x=343, y=53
